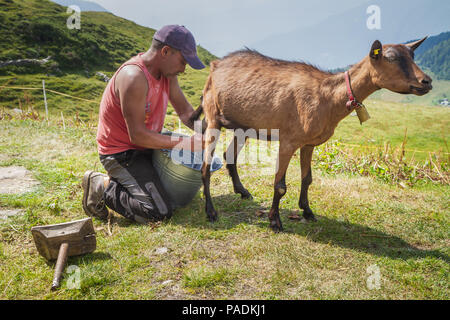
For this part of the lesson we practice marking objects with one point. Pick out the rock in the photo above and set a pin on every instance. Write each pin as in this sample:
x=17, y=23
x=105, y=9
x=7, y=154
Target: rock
x=22, y=62
x=167, y=282
x=161, y=250
x=102, y=76
x=295, y=216
x=15, y=180
x=5, y=214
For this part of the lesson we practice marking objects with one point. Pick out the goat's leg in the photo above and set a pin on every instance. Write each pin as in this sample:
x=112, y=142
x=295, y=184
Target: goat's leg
x=211, y=138
x=284, y=157
x=305, y=163
x=230, y=157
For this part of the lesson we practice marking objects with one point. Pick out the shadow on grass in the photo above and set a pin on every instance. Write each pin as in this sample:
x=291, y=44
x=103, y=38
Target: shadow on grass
x=85, y=258
x=234, y=211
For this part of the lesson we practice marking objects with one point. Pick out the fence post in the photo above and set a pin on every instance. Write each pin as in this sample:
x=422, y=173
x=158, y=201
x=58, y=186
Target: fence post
x=45, y=100
x=62, y=117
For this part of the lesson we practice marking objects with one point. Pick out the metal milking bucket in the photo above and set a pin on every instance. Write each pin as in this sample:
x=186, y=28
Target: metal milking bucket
x=180, y=172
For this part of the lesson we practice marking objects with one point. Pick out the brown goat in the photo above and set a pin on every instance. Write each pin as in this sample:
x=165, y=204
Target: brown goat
x=248, y=90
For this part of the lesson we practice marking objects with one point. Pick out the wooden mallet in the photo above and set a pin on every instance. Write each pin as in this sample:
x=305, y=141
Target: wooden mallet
x=58, y=241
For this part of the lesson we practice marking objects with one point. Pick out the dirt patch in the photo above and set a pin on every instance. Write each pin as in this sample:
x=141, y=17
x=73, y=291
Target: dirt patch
x=15, y=180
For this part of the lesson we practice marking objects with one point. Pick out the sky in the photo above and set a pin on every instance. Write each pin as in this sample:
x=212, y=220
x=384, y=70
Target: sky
x=228, y=25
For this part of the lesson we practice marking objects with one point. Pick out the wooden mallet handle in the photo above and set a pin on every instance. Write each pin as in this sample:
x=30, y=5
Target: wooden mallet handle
x=60, y=265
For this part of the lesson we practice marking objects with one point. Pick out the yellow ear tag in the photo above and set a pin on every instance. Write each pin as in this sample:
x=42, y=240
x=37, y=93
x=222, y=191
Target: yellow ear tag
x=376, y=52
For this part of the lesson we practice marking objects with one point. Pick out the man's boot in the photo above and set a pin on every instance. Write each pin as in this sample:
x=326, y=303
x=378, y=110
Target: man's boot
x=93, y=189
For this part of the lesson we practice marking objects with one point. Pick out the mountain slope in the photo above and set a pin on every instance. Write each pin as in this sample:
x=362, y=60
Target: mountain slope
x=83, y=5
x=38, y=29
x=435, y=55
x=430, y=43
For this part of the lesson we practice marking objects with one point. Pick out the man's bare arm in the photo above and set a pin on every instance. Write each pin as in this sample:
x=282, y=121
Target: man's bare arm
x=180, y=103
x=132, y=87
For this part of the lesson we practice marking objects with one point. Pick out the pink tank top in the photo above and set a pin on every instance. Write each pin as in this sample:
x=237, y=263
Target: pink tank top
x=112, y=133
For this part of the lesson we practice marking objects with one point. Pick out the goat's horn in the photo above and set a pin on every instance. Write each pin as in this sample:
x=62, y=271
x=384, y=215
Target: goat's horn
x=416, y=44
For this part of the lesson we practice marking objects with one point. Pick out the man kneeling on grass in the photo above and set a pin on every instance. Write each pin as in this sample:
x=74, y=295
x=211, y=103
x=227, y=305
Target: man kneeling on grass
x=132, y=113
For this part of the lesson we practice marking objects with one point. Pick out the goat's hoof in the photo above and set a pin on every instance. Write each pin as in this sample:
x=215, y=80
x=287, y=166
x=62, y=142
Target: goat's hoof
x=243, y=192
x=246, y=195
x=309, y=216
x=213, y=216
x=276, y=226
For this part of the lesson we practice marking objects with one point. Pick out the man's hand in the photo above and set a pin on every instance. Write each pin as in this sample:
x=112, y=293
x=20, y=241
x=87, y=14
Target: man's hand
x=193, y=144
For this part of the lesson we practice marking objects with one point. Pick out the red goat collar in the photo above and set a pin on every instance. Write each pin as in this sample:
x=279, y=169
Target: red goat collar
x=352, y=103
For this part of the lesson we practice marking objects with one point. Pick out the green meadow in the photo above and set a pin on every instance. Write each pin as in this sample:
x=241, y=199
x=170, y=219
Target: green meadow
x=379, y=235
x=380, y=191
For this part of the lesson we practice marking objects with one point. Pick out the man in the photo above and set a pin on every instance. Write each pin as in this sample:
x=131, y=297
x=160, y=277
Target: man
x=131, y=117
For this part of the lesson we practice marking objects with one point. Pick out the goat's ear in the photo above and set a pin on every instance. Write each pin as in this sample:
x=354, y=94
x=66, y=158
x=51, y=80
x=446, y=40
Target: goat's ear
x=377, y=50
x=415, y=45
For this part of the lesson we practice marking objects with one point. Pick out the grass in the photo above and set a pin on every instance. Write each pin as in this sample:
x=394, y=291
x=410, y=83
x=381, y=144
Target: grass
x=362, y=221
x=84, y=86
x=427, y=128
x=384, y=202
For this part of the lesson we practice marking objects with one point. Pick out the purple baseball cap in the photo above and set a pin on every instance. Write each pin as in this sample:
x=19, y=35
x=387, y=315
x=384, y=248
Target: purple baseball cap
x=180, y=38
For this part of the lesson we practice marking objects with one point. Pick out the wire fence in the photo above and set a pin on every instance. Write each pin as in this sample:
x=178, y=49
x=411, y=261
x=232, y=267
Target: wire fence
x=175, y=118
x=52, y=91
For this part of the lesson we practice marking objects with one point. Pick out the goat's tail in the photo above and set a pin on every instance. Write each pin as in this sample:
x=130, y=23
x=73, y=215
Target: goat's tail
x=198, y=112
x=196, y=115
x=208, y=86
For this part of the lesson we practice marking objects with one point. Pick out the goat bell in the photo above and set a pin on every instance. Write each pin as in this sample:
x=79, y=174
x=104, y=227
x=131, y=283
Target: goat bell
x=362, y=113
